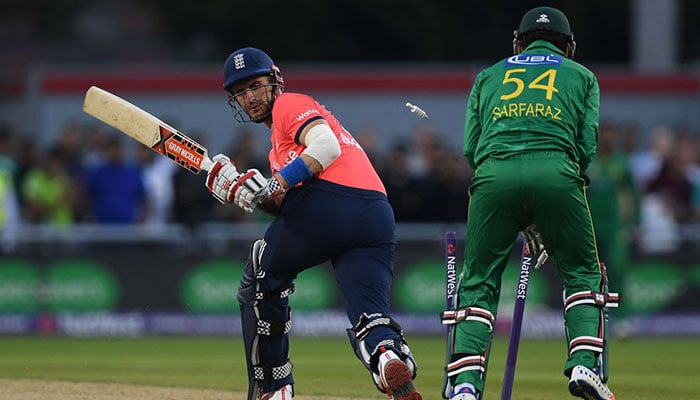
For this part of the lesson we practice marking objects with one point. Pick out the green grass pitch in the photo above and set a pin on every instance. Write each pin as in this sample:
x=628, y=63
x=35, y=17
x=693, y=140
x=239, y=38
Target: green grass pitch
x=640, y=368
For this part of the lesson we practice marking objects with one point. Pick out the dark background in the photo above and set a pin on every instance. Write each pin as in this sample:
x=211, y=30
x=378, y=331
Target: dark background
x=310, y=30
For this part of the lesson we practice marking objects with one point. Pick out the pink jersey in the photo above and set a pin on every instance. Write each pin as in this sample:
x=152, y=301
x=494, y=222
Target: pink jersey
x=290, y=114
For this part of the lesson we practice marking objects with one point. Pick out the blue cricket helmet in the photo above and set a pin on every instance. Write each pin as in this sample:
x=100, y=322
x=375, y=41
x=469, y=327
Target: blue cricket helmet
x=249, y=62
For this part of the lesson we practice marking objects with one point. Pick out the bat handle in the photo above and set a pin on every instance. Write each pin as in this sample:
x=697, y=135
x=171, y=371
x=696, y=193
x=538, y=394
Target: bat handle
x=206, y=165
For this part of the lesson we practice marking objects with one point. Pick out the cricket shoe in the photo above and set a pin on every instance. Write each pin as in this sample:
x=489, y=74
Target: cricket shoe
x=465, y=392
x=586, y=384
x=286, y=392
x=463, y=396
x=397, y=378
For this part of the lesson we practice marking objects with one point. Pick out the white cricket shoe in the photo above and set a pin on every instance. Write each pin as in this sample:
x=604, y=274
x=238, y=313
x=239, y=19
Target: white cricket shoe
x=397, y=378
x=286, y=392
x=463, y=396
x=464, y=392
x=586, y=384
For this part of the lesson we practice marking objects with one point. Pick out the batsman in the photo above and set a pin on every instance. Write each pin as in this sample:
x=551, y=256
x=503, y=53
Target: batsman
x=329, y=205
x=530, y=132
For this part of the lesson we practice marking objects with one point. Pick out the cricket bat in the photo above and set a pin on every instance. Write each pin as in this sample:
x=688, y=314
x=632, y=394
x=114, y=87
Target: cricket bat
x=147, y=129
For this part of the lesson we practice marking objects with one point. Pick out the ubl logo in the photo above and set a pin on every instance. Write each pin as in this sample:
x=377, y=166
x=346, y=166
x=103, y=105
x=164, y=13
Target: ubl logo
x=534, y=59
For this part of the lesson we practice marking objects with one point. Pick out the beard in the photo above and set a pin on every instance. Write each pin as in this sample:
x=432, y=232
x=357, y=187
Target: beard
x=259, y=112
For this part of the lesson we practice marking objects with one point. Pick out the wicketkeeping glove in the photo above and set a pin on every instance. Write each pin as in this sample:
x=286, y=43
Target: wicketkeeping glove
x=252, y=188
x=533, y=239
x=221, y=179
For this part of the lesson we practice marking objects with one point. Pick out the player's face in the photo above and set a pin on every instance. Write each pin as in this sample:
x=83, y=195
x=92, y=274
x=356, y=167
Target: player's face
x=253, y=96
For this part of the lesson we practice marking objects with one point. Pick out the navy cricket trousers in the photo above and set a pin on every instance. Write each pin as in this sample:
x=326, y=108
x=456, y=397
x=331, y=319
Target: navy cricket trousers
x=353, y=229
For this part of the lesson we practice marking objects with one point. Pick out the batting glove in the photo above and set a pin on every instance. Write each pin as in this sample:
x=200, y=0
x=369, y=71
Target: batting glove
x=252, y=188
x=221, y=179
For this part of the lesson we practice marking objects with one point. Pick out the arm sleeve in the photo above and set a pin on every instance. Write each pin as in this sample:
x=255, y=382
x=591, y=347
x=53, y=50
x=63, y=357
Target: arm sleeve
x=587, y=138
x=321, y=144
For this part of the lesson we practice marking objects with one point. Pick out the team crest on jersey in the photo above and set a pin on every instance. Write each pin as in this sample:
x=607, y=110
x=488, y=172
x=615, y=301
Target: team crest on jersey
x=239, y=61
x=533, y=59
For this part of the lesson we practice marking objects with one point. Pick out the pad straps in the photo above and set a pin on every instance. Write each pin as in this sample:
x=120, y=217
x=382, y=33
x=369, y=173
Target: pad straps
x=461, y=362
x=270, y=295
x=482, y=315
x=591, y=343
x=591, y=297
x=369, y=321
x=274, y=329
x=265, y=373
x=597, y=299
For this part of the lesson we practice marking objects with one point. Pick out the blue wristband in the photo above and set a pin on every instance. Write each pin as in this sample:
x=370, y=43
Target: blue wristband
x=296, y=172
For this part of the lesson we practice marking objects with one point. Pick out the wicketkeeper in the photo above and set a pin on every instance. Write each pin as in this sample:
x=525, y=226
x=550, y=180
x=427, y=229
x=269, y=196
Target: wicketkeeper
x=530, y=132
x=330, y=205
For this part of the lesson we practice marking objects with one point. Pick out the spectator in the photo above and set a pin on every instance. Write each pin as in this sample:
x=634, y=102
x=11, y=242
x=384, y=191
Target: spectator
x=9, y=213
x=26, y=160
x=369, y=137
x=116, y=188
x=630, y=138
x=695, y=179
x=423, y=141
x=245, y=153
x=666, y=203
x=47, y=192
x=96, y=140
x=401, y=185
x=191, y=204
x=70, y=147
x=158, y=181
x=647, y=162
x=450, y=190
x=9, y=209
x=672, y=183
x=7, y=163
x=613, y=200
x=444, y=183
x=245, y=150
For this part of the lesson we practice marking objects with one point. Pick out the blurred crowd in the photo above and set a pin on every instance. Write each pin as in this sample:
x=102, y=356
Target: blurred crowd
x=643, y=185
x=93, y=174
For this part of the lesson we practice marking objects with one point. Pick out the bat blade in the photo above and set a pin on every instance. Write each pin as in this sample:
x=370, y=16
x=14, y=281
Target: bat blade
x=146, y=129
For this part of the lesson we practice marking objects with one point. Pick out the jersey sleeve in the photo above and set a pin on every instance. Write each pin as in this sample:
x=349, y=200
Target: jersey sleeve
x=472, y=124
x=587, y=135
x=292, y=113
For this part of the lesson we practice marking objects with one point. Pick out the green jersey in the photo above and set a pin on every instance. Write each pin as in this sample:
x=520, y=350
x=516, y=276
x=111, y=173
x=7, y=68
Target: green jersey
x=534, y=101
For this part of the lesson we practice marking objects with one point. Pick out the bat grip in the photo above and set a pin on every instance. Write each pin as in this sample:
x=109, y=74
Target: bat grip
x=207, y=164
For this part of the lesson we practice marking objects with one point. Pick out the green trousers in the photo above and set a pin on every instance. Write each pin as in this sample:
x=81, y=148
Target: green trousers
x=507, y=195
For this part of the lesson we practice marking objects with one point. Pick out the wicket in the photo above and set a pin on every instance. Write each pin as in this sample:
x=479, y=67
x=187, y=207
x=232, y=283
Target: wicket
x=518, y=311
x=450, y=295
